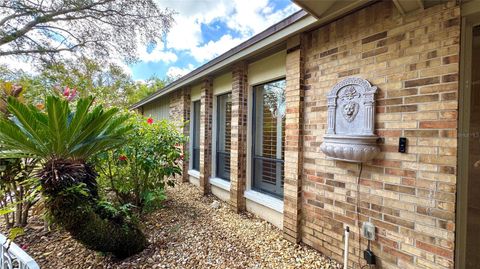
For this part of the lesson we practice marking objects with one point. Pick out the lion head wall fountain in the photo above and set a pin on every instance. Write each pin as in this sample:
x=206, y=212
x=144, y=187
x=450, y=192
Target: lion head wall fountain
x=351, y=122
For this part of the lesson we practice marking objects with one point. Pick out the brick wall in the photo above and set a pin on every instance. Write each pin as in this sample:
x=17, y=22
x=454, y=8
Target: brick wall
x=180, y=114
x=238, y=153
x=413, y=60
x=295, y=103
x=206, y=109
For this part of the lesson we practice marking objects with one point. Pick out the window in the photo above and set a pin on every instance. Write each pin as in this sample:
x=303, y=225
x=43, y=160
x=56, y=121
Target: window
x=196, y=136
x=269, y=137
x=224, y=127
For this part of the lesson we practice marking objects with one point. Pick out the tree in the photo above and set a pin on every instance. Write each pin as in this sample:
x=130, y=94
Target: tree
x=108, y=82
x=144, y=89
x=43, y=29
x=63, y=140
x=110, y=85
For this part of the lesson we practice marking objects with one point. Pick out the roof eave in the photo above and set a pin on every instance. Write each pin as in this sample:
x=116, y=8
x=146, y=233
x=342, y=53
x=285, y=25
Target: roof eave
x=225, y=58
x=279, y=32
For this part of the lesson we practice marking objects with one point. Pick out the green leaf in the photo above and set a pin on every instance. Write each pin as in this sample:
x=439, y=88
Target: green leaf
x=13, y=139
x=58, y=112
x=6, y=210
x=24, y=116
x=15, y=232
x=78, y=119
x=60, y=133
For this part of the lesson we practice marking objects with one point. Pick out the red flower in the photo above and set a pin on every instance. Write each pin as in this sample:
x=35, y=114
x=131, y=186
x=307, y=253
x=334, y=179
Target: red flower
x=72, y=95
x=66, y=92
x=24, y=246
x=149, y=120
x=122, y=158
x=69, y=94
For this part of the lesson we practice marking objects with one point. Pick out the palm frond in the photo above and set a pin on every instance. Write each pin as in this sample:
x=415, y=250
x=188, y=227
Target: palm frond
x=26, y=119
x=58, y=112
x=60, y=133
x=78, y=120
x=13, y=138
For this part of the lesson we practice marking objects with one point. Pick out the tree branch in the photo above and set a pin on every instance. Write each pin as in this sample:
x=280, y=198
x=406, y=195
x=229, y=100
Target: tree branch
x=44, y=19
x=50, y=27
x=7, y=18
x=44, y=51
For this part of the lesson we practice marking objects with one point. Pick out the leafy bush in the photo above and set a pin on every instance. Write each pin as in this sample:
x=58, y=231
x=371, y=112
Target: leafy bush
x=64, y=140
x=138, y=171
x=19, y=190
x=18, y=185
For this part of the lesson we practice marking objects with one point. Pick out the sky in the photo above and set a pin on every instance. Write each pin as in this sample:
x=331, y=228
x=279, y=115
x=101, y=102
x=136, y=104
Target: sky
x=204, y=29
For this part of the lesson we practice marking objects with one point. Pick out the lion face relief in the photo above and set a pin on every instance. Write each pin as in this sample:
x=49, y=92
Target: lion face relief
x=350, y=110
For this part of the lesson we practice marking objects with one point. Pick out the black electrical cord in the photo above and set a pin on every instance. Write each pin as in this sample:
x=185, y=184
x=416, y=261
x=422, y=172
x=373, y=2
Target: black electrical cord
x=358, y=215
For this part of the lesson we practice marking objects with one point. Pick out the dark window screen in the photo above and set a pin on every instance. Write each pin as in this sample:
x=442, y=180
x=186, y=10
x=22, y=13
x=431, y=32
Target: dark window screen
x=196, y=136
x=224, y=127
x=269, y=137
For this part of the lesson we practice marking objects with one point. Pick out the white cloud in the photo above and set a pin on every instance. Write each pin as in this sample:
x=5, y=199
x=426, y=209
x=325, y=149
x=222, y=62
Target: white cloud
x=158, y=55
x=252, y=17
x=177, y=72
x=245, y=17
x=17, y=64
x=212, y=49
x=186, y=32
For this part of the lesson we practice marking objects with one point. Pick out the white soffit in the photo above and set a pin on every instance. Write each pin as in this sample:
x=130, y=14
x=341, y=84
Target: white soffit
x=330, y=9
x=407, y=6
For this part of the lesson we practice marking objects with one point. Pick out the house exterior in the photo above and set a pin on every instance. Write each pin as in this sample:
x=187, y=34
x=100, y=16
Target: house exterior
x=258, y=115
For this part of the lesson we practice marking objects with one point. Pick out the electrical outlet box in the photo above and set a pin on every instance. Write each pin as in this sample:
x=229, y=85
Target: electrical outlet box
x=368, y=231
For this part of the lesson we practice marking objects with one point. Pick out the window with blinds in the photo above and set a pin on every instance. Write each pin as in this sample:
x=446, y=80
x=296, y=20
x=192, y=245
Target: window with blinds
x=224, y=127
x=269, y=137
x=196, y=136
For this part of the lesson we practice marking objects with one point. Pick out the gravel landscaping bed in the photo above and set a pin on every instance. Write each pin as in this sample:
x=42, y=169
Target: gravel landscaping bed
x=191, y=231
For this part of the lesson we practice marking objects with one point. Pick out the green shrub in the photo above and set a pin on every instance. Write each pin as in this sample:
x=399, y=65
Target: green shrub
x=64, y=140
x=99, y=225
x=19, y=189
x=138, y=171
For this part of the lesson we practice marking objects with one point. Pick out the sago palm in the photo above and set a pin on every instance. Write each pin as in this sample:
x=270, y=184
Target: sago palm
x=64, y=140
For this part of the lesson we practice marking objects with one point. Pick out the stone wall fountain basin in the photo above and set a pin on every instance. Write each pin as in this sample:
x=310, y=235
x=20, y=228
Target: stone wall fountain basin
x=351, y=118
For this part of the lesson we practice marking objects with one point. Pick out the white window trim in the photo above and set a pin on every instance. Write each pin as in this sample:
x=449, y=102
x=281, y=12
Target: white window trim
x=220, y=183
x=194, y=173
x=265, y=200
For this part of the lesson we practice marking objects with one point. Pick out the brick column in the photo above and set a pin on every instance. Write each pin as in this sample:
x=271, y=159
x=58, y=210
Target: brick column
x=238, y=152
x=179, y=114
x=293, y=140
x=185, y=106
x=206, y=109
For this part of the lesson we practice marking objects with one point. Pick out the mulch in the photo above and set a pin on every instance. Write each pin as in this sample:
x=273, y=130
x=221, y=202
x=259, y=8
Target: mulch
x=190, y=231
